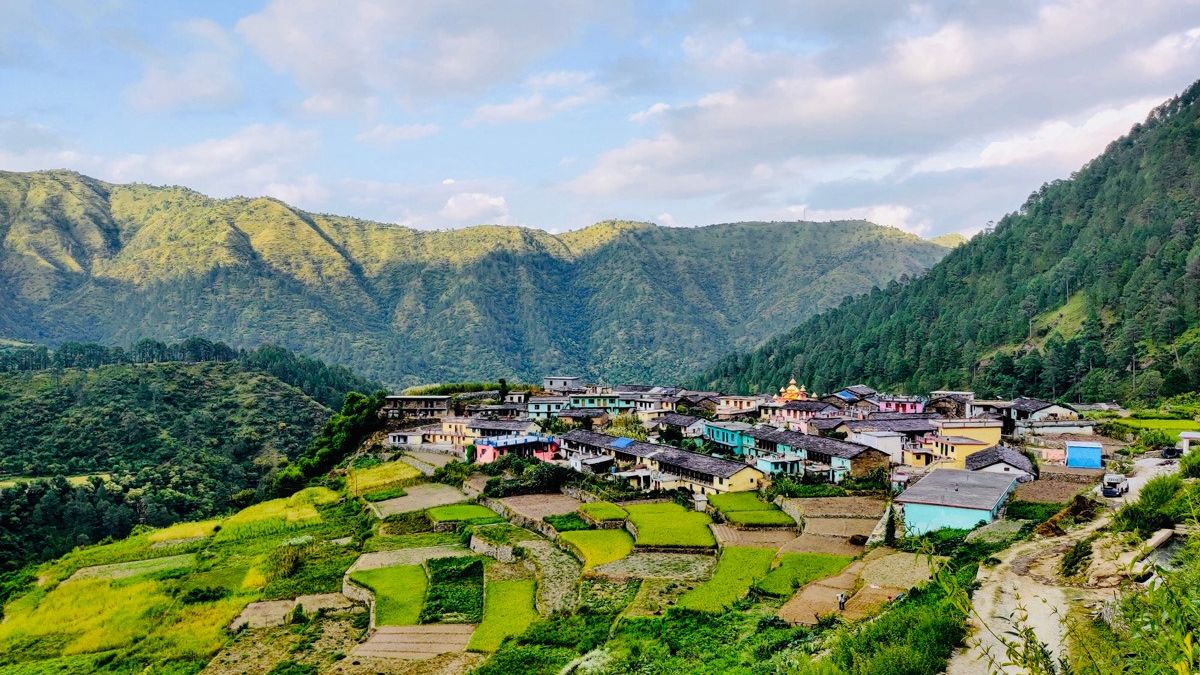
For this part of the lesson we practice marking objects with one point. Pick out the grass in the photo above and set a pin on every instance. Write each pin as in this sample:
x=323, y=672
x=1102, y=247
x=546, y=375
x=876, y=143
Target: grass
x=384, y=494
x=760, y=518
x=670, y=525
x=193, y=530
x=603, y=511
x=599, y=546
x=277, y=515
x=386, y=542
x=567, y=522
x=739, y=501
x=508, y=611
x=455, y=591
x=1035, y=511
x=137, y=567
x=1171, y=427
x=390, y=474
x=738, y=568
x=399, y=593
x=798, y=569
x=462, y=512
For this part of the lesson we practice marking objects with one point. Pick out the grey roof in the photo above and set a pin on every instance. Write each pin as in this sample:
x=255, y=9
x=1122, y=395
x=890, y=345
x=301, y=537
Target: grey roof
x=1032, y=405
x=827, y=423
x=664, y=454
x=581, y=412
x=677, y=420
x=979, y=490
x=807, y=406
x=633, y=388
x=997, y=454
x=588, y=437
x=829, y=446
x=548, y=399
x=860, y=389
x=901, y=416
x=918, y=425
x=499, y=425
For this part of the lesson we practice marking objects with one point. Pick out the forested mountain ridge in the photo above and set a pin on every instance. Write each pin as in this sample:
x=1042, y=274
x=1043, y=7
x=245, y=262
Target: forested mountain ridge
x=1090, y=291
x=81, y=259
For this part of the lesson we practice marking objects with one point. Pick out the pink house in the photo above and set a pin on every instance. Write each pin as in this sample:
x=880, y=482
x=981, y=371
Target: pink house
x=488, y=450
x=899, y=404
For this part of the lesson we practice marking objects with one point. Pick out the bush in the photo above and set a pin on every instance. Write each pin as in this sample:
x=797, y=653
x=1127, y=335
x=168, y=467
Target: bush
x=788, y=486
x=539, y=478
x=1152, y=511
x=201, y=594
x=290, y=667
x=455, y=591
x=453, y=473
x=1076, y=556
x=1035, y=511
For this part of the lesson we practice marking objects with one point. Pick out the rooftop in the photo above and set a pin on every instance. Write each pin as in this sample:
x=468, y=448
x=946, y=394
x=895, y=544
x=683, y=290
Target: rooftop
x=978, y=490
x=995, y=455
x=499, y=425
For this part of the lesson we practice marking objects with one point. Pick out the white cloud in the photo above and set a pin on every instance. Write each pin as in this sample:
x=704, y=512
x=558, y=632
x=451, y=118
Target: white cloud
x=470, y=208
x=345, y=52
x=889, y=215
x=387, y=134
x=551, y=94
x=1172, y=52
x=653, y=111
x=666, y=219
x=202, y=76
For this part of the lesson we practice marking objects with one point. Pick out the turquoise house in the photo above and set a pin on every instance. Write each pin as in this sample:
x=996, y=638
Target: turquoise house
x=613, y=404
x=732, y=436
x=951, y=498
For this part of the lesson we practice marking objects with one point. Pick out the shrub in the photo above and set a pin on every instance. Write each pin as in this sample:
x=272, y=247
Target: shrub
x=1151, y=511
x=204, y=594
x=1035, y=511
x=539, y=478
x=1076, y=556
x=290, y=667
x=455, y=591
x=453, y=473
x=567, y=522
x=788, y=486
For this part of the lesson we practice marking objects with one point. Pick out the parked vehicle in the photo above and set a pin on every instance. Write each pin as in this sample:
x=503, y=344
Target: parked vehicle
x=1114, y=485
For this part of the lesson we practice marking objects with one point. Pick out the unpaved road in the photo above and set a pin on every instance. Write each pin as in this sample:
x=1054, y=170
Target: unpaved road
x=1027, y=578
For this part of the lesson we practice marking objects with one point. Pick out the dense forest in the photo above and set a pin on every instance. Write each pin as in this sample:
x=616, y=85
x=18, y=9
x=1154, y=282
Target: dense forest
x=81, y=259
x=151, y=435
x=1090, y=292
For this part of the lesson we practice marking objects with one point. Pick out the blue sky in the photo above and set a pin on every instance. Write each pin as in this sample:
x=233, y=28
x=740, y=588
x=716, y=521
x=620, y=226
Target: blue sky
x=932, y=117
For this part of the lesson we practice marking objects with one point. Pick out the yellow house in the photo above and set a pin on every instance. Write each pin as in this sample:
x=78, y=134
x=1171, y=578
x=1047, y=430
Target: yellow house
x=980, y=429
x=953, y=450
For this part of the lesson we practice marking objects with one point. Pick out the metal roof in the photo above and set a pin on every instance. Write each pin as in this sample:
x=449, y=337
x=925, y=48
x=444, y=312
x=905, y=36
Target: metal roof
x=976, y=490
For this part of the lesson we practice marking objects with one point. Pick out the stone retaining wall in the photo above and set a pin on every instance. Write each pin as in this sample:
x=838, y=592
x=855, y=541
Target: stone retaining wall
x=577, y=493
x=692, y=550
x=789, y=507
x=540, y=526
x=359, y=594
x=505, y=553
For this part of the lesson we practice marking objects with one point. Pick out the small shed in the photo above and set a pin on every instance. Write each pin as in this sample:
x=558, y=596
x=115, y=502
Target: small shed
x=1085, y=455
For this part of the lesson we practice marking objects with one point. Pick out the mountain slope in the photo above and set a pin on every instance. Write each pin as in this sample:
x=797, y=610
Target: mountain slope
x=1093, y=277
x=86, y=260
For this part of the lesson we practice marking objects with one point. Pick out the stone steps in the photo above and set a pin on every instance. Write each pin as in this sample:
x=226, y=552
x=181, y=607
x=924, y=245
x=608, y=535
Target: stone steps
x=415, y=642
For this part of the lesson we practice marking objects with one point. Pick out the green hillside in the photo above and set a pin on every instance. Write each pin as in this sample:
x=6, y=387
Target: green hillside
x=149, y=444
x=86, y=260
x=1090, y=279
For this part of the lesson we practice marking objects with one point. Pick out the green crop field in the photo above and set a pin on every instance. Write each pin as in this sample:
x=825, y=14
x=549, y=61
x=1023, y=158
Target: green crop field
x=739, y=501
x=278, y=515
x=391, y=474
x=1172, y=427
x=797, y=569
x=399, y=593
x=670, y=525
x=774, y=518
x=736, y=571
x=508, y=610
x=462, y=512
x=603, y=511
x=599, y=546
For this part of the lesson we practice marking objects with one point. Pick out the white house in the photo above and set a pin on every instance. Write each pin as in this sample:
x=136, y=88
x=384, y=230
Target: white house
x=891, y=442
x=1002, y=459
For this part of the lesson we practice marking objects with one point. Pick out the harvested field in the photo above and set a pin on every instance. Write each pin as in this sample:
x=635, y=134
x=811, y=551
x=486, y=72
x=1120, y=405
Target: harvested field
x=655, y=596
x=841, y=507
x=731, y=536
x=559, y=576
x=868, y=601
x=1049, y=491
x=437, y=459
x=819, y=598
x=419, y=498
x=900, y=571
x=819, y=543
x=405, y=556
x=839, y=527
x=415, y=642
x=659, y=566
x=362, y=481
x=536, y=507
x=275, y=612
x=132, y=569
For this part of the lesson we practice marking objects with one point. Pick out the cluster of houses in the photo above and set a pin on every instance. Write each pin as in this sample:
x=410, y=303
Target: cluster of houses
x=948, y=445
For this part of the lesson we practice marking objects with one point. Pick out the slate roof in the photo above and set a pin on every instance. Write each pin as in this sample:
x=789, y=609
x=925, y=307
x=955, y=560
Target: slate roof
x=861, y=390
x=807, y=406
x=829, y=446
x=1031, y=405
x=919, y=425
x=677, y=420
x=666, y=454
x=827, y=423
x=499, y=425
x=978, y=490
x=901, y=416
x=588, y=437
x=997, y=454
x=570, y=413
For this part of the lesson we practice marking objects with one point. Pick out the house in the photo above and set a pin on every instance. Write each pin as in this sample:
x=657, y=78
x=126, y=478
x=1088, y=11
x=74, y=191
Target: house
x=687, y=425
x=955, y=499
x=951, y=450
x=478, y=427
x=891, y=442
x=400, y=406
x=662, y=467
x=562, y=384
x=950, y=403
x=732, y=407
x=1033, y=416
x=541, y=407
x=504, y=411
x=899, y=404
x=1085, y=455
x=529, y=446
x=517, y=397
x=610, y=402
x=912, y=427
x=699, y=400
x=649, y=407
x=1002, y=459
x=594, y=417
x=988, y=408
x=729, y=435
x=780, y=451
x=793, y=414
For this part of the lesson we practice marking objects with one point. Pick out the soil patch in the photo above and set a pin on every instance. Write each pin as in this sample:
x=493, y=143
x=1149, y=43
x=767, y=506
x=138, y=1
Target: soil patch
x=840, y=507
x=820, y=543
x=405, y=556
x=415, y=642
x=731, y=536
x=419, y=498
x=839, y=527
x=1047, y=490
x=536, y=507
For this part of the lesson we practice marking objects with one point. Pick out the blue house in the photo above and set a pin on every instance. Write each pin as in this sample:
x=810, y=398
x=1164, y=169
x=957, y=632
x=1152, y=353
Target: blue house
x=955, y=499
x=732, y=436
x=1085, y=455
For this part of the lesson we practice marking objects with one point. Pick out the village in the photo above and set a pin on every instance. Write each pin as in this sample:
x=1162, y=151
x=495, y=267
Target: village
x=951, y=459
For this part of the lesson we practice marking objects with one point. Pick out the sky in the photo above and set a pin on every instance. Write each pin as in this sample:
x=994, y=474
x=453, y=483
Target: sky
x=931, y=117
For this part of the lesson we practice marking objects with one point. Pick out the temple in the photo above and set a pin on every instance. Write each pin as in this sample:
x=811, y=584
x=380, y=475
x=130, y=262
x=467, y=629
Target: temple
x=791, y=393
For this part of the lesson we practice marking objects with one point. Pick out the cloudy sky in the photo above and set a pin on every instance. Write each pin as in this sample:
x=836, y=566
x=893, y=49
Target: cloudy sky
x=932, y=117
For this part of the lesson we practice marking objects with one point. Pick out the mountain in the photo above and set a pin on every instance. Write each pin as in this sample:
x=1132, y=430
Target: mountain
x=1091, y=290
x=82, y=259
x=949, y=240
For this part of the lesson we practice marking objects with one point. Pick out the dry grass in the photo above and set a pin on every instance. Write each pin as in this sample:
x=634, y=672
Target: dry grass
x=194, y=530
x=399, y=474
